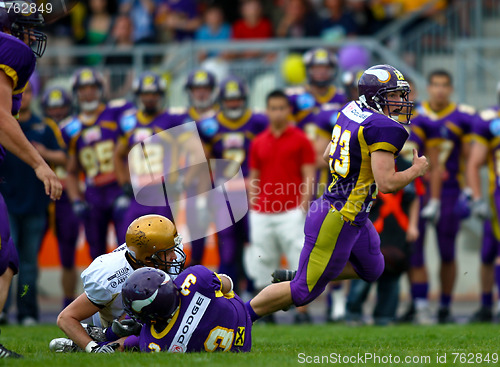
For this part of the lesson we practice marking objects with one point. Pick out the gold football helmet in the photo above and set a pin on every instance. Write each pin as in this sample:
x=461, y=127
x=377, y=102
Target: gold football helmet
x=152, y=240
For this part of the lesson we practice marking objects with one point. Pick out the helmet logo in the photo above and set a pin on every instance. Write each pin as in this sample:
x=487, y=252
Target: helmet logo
x=138, y=305
x=321, y=55
x=201, y=77
x=383, y=76
x=86, y=76
x=56, y=96
x=140, y=238
x=399, y=74
x=232, y=88
x=148, y=81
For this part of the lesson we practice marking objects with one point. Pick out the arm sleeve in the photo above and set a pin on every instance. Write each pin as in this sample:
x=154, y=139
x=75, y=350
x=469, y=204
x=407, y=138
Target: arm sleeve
x=385, y=134
x=93, y=286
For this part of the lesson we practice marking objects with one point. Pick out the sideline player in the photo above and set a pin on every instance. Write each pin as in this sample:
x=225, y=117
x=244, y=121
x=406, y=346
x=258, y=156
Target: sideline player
x=56, y=105
x=228, y=136
x=93, y=134
x=151, y=240
x=19, y=44
x=196, y=312
x=341, y=241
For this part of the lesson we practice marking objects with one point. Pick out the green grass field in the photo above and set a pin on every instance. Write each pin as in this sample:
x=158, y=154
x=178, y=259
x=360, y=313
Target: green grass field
x=285, y=345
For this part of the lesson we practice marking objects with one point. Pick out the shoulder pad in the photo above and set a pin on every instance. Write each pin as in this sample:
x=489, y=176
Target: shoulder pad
x=305, y=101
x=116, y=103
x=177, y=110
x=466, y=109
x=128, y=121
x=209, y=127
x=71, y=126
x=488, y=114
x=294, y=90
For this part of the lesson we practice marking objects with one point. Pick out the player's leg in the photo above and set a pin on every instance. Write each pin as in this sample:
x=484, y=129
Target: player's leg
x=197, y=229
x=487, y=275
x=96, y=230
x=228, y=242
x=447, y=229
x=327, y=246
x=67, y=228
x=419, y=310
x=118, y=203
x=27, y=233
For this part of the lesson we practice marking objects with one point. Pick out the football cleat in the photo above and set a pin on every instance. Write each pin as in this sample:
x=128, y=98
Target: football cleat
x=64, y=345
x=7, y=353
x=283, y=275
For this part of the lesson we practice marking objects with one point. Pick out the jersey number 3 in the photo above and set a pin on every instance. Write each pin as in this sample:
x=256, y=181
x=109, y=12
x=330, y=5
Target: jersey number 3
x=340, y=139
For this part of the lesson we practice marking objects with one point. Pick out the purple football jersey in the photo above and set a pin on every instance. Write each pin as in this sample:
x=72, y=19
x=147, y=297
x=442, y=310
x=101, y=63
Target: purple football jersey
x=18, y=62
x=206, y=320
x=487, y=131
x=93, y=142
x=454, y=124
x=304, y=103
x=228, y=139
x=358, y=133
x=321, y=124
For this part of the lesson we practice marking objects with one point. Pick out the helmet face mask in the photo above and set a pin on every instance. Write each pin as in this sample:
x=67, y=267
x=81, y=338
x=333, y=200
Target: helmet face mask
x=87, y=85
x=377, y=83
x=150, y=90
x=16, y=16
x=321, y=67
x=202, y=89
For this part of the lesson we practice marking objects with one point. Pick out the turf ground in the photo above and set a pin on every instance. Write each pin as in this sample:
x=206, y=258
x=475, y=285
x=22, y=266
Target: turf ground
x=286, y=345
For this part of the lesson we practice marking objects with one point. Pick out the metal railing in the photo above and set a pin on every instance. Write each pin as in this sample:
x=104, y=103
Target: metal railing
x=176, y=60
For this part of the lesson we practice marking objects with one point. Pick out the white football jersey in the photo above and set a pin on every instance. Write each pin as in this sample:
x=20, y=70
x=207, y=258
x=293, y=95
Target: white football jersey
x=102, y=283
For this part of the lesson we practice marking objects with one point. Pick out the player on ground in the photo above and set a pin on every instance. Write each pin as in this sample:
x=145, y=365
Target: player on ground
x=151, y=240
x=341, y=241
x=196, y=312
x=228, y=136
x=56, y=105
x=321, y=68
x=93, y=134
x=449, y=126
x=486, y=149
x=19, y=44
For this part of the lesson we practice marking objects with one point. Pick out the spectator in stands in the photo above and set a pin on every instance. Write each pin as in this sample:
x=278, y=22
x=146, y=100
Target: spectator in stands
x=180, y=17
x=299, y=20
x=122, y=37
x=253, y=24
x=213, y=29
x=340, y=22
x=27, y=206
x=98, y=27
x=364, y=18
x=141, y=12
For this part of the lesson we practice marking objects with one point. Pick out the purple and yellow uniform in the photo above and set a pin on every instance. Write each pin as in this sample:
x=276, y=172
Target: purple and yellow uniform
x=305, y=104
x=450, y=129
x=180, y=116
x=321, y=124
x=18, y=62
x=337, y=227
x=487, y=132
x=230, y=140
x=135, y=127
x=93, y=143
x=206, y=320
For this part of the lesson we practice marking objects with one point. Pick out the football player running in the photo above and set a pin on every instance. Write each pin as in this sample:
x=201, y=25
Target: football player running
x=196, y=312
x=151, y=240
x=341, y=241
x=20, y=44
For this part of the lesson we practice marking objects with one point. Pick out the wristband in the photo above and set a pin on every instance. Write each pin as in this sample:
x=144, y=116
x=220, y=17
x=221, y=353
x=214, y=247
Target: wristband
x=230, y=280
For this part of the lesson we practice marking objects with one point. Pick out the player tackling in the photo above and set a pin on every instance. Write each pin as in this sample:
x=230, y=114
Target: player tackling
x=340, y=240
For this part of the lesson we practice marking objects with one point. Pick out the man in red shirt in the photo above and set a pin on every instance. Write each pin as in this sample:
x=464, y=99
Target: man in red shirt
x=282, y=166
